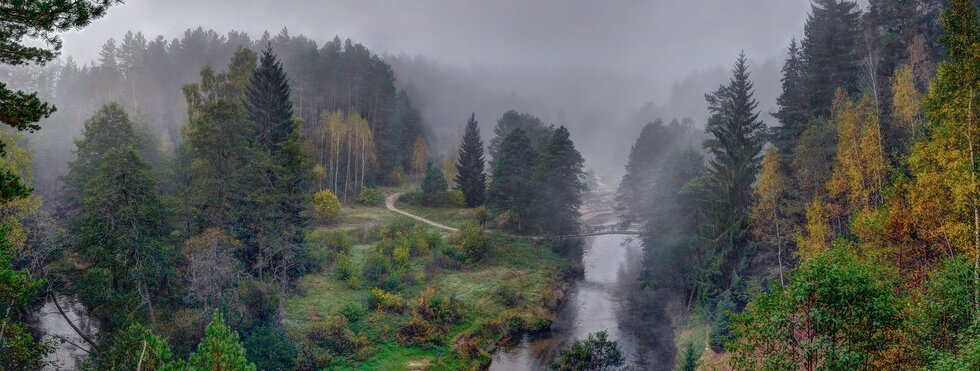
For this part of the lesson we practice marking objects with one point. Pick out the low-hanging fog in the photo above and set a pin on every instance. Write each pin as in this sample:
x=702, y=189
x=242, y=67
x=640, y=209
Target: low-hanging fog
x=603, y=69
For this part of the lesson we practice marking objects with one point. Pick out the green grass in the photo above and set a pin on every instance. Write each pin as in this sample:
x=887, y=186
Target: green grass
x=533, y=269
x=453, y=217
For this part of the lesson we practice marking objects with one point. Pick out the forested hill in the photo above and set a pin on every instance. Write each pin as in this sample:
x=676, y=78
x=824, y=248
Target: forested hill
x=145, y=75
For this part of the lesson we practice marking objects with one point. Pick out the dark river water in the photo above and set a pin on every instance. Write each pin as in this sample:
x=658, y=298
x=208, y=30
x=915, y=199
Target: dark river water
x=607, y=297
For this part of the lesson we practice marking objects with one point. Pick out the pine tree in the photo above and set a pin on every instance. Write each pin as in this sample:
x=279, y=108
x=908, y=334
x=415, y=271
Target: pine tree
x=737, y=139
x=268, y=104
x=470, y=178
x=510, y=187
x=120, y=235
x=537, y=133
x=216, y=144
x=558, y=176
x=646, y=159
x=792, y=115
x=829, y=52
x=280, y=186
x=434, y=188
x=220, y=349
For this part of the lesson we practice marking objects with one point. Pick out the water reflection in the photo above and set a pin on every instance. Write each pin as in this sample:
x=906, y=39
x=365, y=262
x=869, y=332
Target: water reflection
x=607, y=297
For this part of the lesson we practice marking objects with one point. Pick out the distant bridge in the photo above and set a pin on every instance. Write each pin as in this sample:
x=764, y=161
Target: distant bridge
x=603, y=229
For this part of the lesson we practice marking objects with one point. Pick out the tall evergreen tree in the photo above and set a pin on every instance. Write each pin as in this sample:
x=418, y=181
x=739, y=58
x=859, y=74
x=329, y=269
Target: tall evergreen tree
x=121, y=231
x=216, y=145
x=268, y=104
x=829, y=52
x=559, y=179
x=470, y=178
x=737, y=139
x=646, y=159
x=792, y=115
x=280, y=187
x=510, y=188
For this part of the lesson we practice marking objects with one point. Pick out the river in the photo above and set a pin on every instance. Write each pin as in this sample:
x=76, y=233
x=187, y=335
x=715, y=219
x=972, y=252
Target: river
x=606, y=297
x=69, y=354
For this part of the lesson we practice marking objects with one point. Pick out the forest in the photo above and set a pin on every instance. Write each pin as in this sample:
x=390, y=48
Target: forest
x=216, y=201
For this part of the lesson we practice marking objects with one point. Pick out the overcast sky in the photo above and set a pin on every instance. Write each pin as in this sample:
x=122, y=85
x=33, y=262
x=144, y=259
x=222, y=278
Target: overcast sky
x=661, y=39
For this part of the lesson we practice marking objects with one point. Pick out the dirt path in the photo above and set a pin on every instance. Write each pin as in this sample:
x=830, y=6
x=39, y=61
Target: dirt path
x=393, y=199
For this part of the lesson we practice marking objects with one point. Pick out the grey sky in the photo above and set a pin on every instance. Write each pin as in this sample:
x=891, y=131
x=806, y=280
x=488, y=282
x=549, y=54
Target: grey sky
x=663, y=40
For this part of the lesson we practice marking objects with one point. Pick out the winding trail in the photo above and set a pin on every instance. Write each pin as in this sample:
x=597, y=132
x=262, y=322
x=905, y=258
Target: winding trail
x=390, y=202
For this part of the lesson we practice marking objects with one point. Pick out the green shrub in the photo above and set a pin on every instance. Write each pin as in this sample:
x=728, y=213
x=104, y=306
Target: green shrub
x=456, y=198
x=353, y=311
x=326, y=206
x=482, y=214
x=348, y=270
x=323, y=245
x=596, y=352
x=378, y=271
x=270, y=349
x=369, y=196
x=386, y=301
x=418, y=332
x=332, y=342
x=432, y=305
x=399, y=224
x=470, y=242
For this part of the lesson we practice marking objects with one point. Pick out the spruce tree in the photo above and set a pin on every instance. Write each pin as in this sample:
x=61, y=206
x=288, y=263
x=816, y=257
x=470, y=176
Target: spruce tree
x=792, y=115
x=558, y=178
x=537, y=133
x=279, y=188
x=267, y=102
x=470, y=178
x=510, y=187
x=216, y=145
x=737, y=139
x=434, y=188
x=220, y=349
x=829, y=52
x=121, y=230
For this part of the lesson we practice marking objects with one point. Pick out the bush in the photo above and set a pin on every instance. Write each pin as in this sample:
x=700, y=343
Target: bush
x=334, y=335
x=270, y=349
x=260, y=299
x=348, y=270
x=378, y=271
x=594, y=353
x=399, y=224
x=369, y=196
x=418, y=332
x=482, y=214
x=432, y=305
x=470, y=243
x=456, y=198
x=386, y=301
x=326, y=206
x=353, y=311
x=323, y=246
